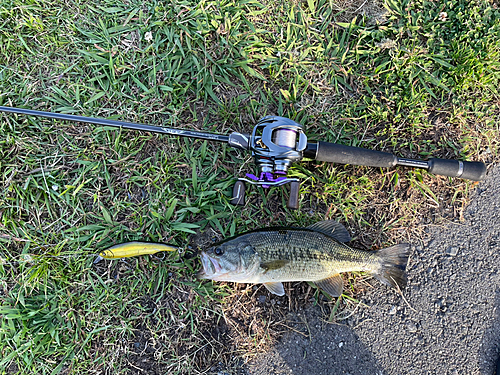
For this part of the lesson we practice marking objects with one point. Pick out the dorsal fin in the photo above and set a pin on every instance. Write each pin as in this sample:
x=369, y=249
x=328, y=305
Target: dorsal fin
x=333, y=229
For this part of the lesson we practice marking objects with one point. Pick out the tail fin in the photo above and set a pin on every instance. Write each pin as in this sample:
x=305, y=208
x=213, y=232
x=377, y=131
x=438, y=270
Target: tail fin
x=393, y=262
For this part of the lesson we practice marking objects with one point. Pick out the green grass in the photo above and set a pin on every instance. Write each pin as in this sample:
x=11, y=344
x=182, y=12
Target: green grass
x=412, y=84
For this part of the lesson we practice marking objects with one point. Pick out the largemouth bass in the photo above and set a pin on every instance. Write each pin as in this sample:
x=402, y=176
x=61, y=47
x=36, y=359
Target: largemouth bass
x=317, y=253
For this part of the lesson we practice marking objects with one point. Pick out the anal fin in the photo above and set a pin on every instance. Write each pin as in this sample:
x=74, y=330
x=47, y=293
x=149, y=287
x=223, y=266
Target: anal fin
x=333, y=285
x=275, y=288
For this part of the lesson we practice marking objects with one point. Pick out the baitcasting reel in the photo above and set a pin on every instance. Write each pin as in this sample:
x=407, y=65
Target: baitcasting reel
x=276, y=143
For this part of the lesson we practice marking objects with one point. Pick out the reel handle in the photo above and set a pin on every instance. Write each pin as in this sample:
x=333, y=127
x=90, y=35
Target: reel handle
x=238, y=198
x=293, y=200
x=341, y=154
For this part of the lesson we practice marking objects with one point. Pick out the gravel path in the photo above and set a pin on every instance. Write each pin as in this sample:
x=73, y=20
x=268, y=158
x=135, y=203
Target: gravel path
x=449, y=323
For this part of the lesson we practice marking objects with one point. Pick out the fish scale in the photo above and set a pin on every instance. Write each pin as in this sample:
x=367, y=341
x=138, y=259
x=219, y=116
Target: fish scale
x=301, y=249
x=317, y=253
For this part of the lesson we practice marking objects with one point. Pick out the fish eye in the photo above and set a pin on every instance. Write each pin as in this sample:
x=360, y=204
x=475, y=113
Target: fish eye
x=218, y=251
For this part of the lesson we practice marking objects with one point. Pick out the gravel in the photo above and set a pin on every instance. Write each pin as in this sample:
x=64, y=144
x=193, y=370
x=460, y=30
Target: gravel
x=447, y=323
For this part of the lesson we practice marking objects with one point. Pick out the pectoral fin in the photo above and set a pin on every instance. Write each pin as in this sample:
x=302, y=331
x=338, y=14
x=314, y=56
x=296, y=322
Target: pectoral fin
x=332, y=285
x=274, y=264
x=275, y=288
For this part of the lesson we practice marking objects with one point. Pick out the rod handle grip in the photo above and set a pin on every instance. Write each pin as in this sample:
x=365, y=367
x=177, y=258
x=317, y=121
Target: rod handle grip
x=469, y=170
x=341, y=154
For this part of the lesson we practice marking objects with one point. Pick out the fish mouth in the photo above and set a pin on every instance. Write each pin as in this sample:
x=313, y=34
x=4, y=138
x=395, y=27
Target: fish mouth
x=210, y=267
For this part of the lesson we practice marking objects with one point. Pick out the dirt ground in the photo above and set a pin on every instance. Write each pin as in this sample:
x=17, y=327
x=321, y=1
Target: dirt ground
x=446, y=322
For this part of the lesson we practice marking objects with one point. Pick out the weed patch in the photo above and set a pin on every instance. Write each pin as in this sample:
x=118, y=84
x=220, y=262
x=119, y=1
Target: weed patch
x=418, y=79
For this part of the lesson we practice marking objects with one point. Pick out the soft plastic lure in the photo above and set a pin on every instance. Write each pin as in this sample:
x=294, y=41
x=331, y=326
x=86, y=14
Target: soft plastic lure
x=132, y=249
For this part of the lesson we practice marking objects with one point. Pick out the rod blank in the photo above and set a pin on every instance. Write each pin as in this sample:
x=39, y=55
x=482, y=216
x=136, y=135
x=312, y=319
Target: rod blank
x=118, y=124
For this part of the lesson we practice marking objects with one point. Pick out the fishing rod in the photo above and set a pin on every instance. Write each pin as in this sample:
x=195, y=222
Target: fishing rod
x=276, y=143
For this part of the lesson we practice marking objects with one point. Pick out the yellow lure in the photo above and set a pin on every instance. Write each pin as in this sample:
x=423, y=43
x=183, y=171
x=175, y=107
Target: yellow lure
x=132, y=249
